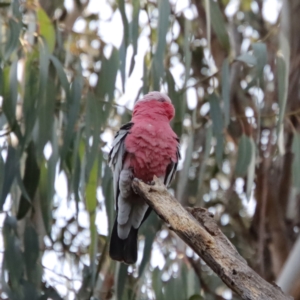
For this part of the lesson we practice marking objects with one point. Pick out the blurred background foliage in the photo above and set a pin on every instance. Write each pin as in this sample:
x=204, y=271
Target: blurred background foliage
x=69, y=74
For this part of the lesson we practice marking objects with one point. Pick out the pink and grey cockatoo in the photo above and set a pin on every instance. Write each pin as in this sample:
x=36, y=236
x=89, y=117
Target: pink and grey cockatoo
x=142, y=148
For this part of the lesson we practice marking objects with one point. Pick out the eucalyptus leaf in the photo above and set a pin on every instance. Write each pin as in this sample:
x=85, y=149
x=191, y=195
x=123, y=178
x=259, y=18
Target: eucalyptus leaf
x=244, y=155
x=247, y=59
x=46, y=29
x=218, y=126
x=282, y=81
x=226, y=91
x=158, y=59
x=296, y=162
x=10, y=171
x=218, y=24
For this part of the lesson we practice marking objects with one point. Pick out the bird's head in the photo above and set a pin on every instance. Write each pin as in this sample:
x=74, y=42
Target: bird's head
x=154, y=105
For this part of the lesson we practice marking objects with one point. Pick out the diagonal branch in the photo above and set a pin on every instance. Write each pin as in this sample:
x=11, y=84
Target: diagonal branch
x=197, y=229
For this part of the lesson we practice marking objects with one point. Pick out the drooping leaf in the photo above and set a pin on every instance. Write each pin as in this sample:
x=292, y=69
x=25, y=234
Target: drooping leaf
x=296, y=162
x=73, y=107
x=124, y=45
x=218, y=24
x=178, y=102
x=10, y=95
x=47, y=179
x=61, y=75
x=218, y=126
x=226, y=91
x=157, y=283
x=251, y=170
x=282, y=86
x=10, y=172
x=30, y=102
x=187, y=50
x=158, y=59
x=149, y=229
x=13, y=260
x=46, y=29
x=145, y=76
x=134, y=25
x=92, y=131
x=13, y=34
x=121, y=4
x=107, y=186
x=30, y=181
x=107, y=76
x=260, y=53
x=31, y=254
x=122, y=56
x=208, y=137
x=247, y=58
x=122, y=276
x=244, y=155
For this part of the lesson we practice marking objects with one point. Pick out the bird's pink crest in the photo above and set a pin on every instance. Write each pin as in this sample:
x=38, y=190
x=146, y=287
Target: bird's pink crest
x=156, y=106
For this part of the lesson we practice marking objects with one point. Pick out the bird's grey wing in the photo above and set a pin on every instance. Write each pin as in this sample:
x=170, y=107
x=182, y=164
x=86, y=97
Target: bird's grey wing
x=172, y=167
x=116, y=156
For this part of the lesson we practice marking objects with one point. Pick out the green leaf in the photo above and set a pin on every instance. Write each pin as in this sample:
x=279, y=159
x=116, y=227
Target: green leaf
x=107, y=76
x=226, y=91
x=178, y=102
x=157, y=284
x=208, y=137
x=61, y=75
x=184, y=174
x=282, y=86
x=134, y=25
x=73, y=108
x=44, y=105
x=31, y=254
x=218, y=24
x=122, y=276
x=10, y=172
x=47, y=30
x=247, y=59
x=296, y=162
x=45, y=204
x=13, y=261
x=121, y=4
x=244, y=155
x=146, y=80
x=10, y=95
x=107, y=187
x=187, y=50
x=47, y=178
x=122, y=56
x=13, y=34
x=149, y=229
x=162, y=28
x=260, y=53
x=251, y=170
x=30, y=181
x=75, y=185
x=30, y=102
x=218, y=125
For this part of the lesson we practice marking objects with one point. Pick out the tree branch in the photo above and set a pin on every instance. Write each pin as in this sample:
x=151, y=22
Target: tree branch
x=197, y=229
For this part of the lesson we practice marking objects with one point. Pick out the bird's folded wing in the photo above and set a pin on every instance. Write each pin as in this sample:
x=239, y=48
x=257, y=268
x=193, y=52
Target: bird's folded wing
x=172, y=167
x=116, y=155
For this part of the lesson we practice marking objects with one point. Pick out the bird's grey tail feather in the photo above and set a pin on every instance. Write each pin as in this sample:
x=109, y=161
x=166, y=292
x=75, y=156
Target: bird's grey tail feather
x=123, y=250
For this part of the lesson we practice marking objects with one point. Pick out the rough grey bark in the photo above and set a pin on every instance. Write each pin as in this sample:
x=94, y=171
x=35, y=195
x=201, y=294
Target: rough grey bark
x=197, y=229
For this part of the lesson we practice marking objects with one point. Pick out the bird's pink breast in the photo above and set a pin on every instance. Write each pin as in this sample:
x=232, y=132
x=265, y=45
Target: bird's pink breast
x=150, y=146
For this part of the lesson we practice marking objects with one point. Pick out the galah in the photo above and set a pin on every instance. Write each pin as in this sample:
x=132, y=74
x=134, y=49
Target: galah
x=142, y=148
